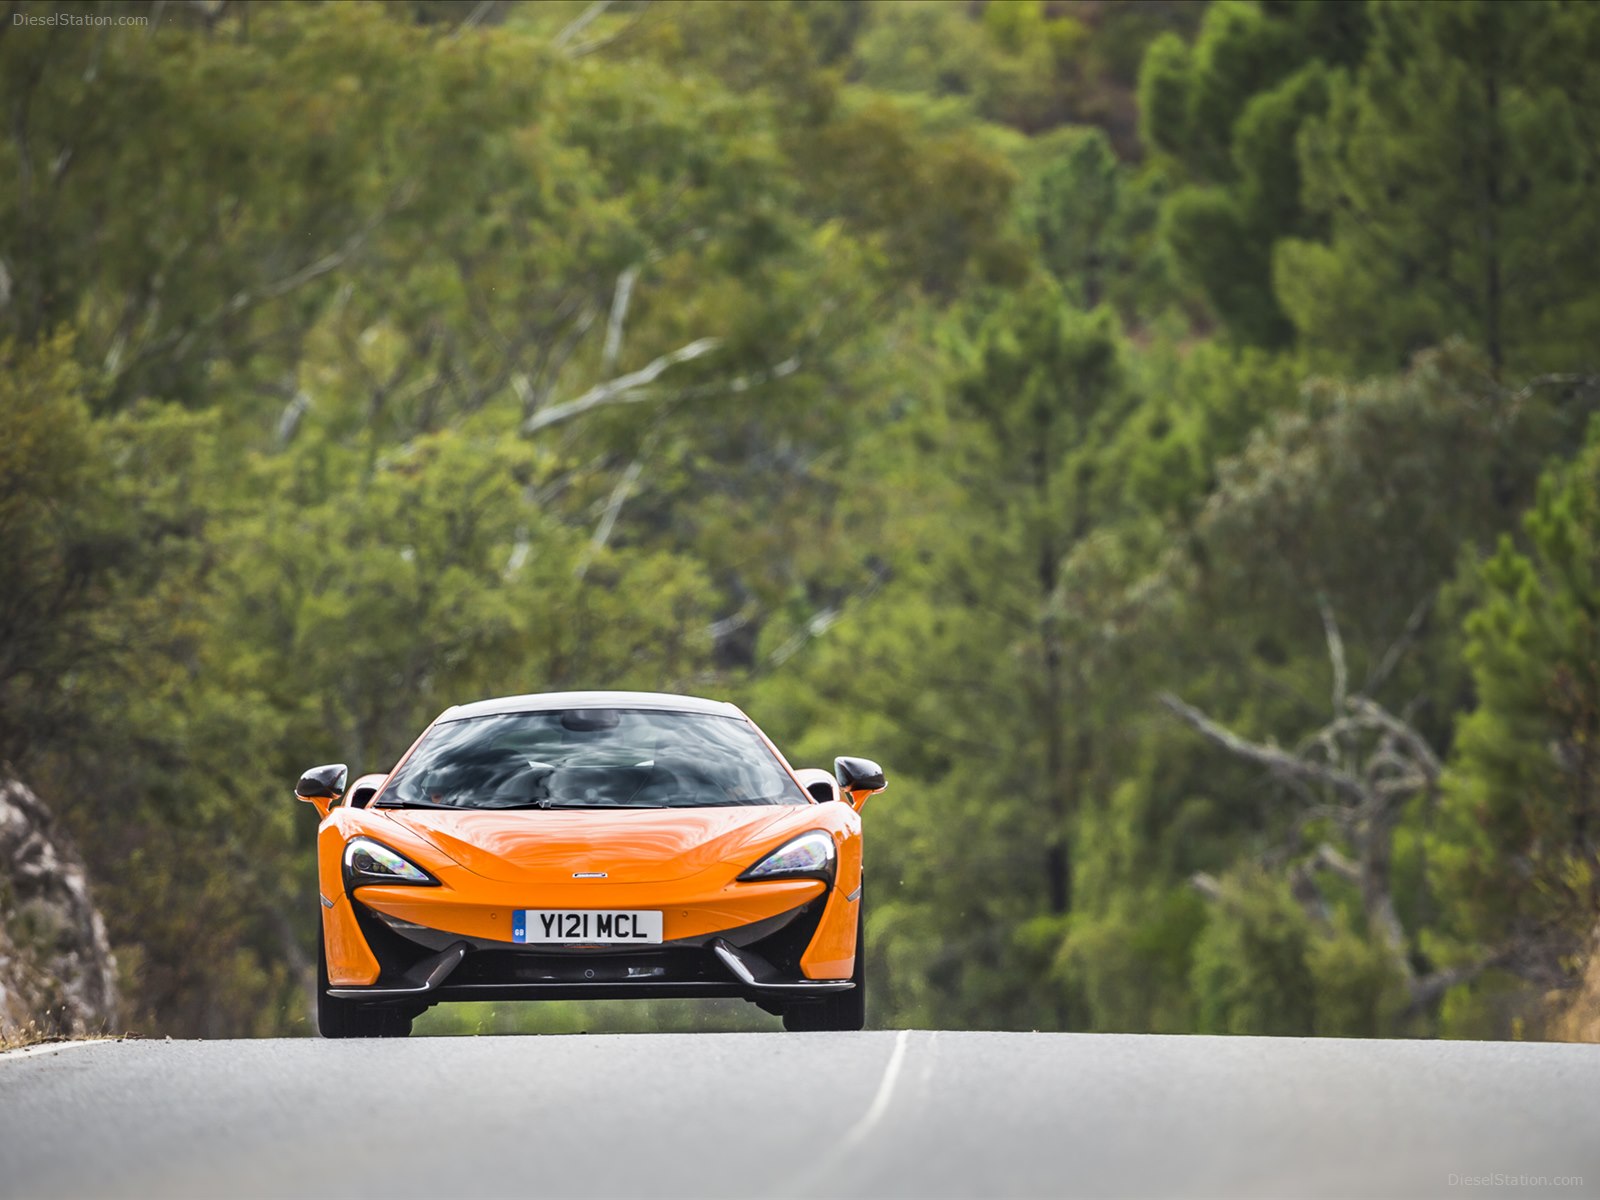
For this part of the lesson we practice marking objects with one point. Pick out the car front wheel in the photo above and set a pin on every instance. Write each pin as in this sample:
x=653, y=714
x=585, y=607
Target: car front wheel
x=338, y=1018
x=844, y=1012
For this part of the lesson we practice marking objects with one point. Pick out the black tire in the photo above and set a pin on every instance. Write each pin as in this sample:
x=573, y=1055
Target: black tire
x=338, y=1018
x=844, y=1012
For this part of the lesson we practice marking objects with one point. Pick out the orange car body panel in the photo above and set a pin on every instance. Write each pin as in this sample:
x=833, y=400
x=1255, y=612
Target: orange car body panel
x=857, y=798
x=323, y=804
x=832, y=953
x=684, y=862
x=350, y=961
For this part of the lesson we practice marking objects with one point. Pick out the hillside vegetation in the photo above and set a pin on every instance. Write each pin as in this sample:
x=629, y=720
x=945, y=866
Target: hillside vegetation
x=1159, y=433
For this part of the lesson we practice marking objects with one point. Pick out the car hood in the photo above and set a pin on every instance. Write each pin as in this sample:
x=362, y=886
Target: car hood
x=629, y=845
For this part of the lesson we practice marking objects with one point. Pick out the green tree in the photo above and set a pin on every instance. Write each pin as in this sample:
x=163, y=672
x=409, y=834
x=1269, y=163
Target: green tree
x=1262, y=966
x=1227, y=111
x=816, y=355
x=1356, y=498
x=1042, y=387
x=57, y=525
x=1455, y=171
x=1251, y=973
x=970, y=646
x=1519, y=842
x=1092, y=220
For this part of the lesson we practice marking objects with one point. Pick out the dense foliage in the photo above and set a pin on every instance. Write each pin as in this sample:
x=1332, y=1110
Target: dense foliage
x=946, y=382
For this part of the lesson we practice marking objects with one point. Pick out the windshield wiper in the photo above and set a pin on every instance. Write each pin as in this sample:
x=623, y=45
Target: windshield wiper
x=416, y=804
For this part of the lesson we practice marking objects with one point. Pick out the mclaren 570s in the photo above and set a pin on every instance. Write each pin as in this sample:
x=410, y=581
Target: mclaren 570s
x=598, y=845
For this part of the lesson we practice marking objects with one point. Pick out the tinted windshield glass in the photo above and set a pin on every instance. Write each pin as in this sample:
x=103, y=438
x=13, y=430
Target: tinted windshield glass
x=593, y=758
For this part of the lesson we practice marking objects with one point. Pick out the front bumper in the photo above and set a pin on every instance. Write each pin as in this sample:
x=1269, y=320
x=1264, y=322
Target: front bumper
x=419, y=964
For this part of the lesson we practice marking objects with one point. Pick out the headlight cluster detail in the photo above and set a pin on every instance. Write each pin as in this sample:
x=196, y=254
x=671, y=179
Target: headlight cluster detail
x=367, y=861
x=809, y=856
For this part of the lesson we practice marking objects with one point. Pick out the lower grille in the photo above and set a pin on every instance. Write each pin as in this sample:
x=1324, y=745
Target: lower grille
x=493, y=969
x=511, y=966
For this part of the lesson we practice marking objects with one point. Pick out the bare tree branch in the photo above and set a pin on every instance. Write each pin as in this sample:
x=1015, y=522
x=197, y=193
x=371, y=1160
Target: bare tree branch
x=289, y=421
x=181, y=337
x=624, y=389
x=1389, y=761
x=582, y=22
x=1391, y=658
x=1382, y=916
x=1307, y=893
x=479, y=11
x=1401, y=785
x=1281, y=763
x=742, y=383
x=826, y=618
x=1431, y=988
x=1327, y=738
x=1330, y=628
x=532, y=392
x=1421, y=753
x=619, y=313
x=600, y=43
x=608, y=520
x=1328, y=858
x=1524, y=393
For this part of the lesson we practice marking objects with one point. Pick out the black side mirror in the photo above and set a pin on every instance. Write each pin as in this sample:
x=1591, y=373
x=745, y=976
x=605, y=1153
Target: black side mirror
x=323, y=783
x=859, y=775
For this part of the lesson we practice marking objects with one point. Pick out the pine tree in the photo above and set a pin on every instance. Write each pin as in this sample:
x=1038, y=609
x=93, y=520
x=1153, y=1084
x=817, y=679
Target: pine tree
x=1519, y=854
x=1456, y=171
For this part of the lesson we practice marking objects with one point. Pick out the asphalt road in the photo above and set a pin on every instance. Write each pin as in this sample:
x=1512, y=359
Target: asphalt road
x=909, y=1114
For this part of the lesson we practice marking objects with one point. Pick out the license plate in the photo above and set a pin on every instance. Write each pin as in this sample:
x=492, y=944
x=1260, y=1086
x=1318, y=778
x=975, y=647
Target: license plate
x=536, y=925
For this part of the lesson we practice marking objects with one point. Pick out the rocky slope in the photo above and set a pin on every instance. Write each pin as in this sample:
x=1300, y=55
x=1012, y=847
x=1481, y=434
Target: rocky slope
x=57, y=973
x=1579, y=1019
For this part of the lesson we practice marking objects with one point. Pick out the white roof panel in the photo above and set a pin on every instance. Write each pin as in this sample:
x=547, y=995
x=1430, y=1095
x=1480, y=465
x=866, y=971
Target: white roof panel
x=548, y=701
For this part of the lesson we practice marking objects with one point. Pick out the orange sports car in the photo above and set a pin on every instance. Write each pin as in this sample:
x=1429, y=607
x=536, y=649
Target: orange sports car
x=596, y=845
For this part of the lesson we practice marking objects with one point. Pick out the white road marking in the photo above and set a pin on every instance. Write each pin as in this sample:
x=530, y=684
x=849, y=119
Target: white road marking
x=52, y=1048
x=880, y=1102
x=806, y=1184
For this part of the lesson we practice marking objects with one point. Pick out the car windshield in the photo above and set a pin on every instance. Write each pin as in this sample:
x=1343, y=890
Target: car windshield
x=592, y=758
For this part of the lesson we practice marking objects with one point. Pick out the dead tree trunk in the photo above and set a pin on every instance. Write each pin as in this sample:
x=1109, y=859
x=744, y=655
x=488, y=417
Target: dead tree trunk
x=1359, y=770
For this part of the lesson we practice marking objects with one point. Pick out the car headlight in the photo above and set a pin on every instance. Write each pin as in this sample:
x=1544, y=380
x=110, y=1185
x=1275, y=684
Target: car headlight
x=367, y=861
x=809, y=856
